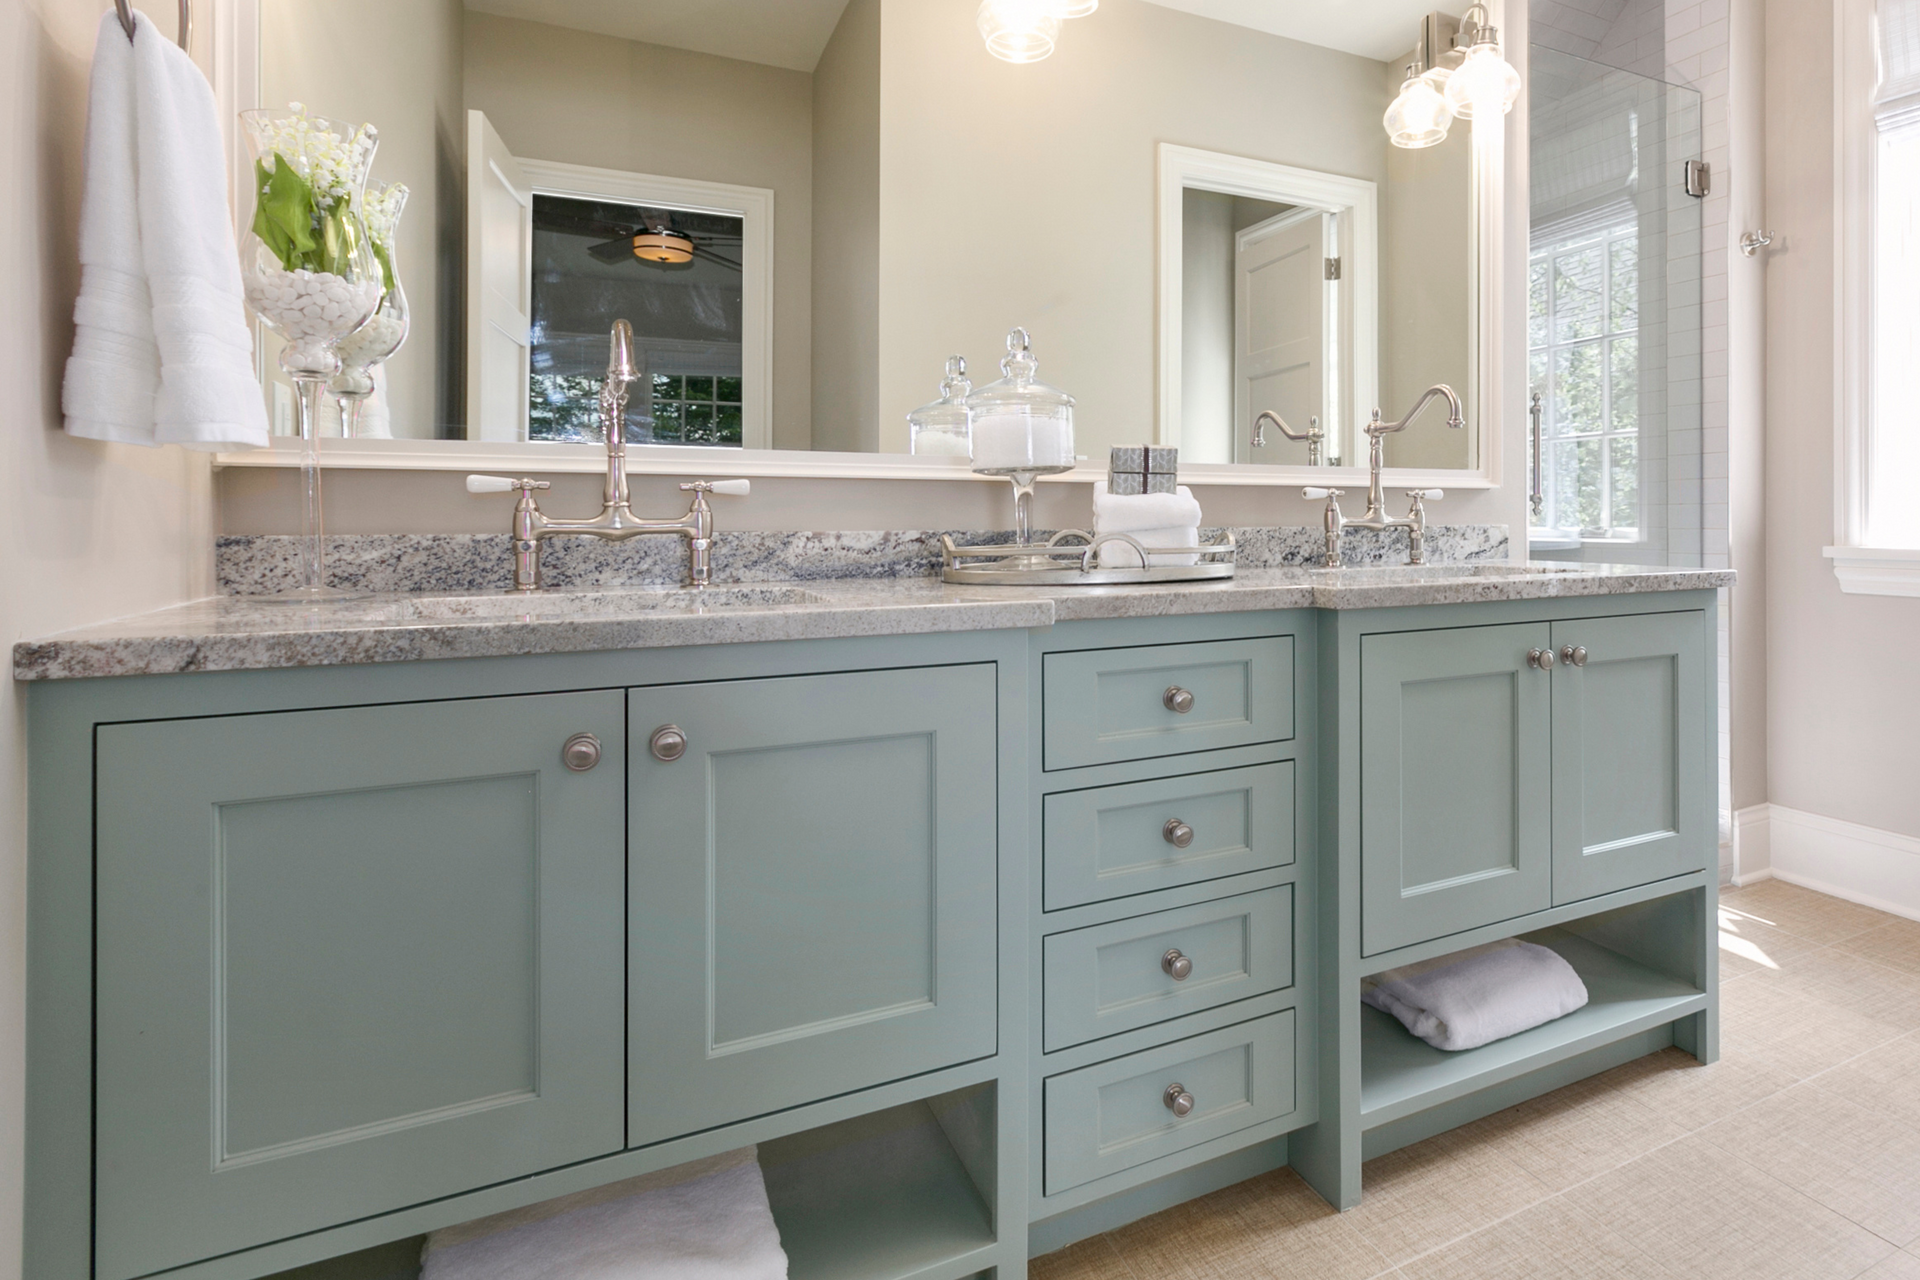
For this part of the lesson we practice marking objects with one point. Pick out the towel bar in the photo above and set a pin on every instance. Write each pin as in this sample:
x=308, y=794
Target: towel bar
x=125, y=9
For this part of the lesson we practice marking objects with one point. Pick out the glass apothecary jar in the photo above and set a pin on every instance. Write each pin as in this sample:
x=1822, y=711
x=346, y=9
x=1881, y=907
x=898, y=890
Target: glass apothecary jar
x=943, y=428
x=1022, y=428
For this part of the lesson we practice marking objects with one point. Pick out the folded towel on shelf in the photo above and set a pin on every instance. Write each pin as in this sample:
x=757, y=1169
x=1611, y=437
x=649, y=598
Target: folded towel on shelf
x=708, y=1220
x=1480, y=995
x=1151, y=519
x=162, y=352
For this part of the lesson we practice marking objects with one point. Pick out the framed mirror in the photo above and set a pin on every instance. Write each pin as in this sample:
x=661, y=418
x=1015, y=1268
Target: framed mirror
x=805, y=207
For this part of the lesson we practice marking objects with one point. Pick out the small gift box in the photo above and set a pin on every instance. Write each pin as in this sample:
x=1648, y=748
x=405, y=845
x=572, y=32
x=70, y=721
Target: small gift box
x=1136, y=468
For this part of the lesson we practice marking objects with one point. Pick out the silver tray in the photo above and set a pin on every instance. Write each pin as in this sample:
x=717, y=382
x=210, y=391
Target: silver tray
x=1062, y=562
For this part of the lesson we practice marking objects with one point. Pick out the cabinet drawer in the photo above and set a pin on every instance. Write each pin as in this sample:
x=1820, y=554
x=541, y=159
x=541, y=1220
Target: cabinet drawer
x=1114, y=1115
x=1105, y=705
x=1113, y=977
x=1111, y=842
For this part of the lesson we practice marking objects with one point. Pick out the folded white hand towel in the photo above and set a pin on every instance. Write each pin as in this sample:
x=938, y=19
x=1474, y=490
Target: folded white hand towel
x=708, y=1220
x=162, y=351
x=1473, y=997
x=1151, y=519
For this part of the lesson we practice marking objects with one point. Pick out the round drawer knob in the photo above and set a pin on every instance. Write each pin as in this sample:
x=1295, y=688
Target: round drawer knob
x=1178, y=1100
x=1177, y=700
x=580, y=752
x=1176, y=964
x=668, y=743
x=1177, y=833
x=1540, y=658
x=1574, y=655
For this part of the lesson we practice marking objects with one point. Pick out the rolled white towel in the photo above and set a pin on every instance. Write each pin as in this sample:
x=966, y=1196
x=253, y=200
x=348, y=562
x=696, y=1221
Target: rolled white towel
x=708, y=1220
x=1151, y=519
x=1483, y=994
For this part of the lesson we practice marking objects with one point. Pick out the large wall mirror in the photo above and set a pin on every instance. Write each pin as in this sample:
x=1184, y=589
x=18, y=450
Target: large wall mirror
x=804, y=207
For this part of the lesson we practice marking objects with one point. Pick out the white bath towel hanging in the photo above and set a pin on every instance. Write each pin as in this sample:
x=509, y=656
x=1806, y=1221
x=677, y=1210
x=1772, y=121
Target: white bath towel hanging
x=162, y=352
x=708, y=1220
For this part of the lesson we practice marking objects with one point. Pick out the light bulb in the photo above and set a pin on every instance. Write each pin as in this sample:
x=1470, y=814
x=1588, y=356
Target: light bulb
x=1018, y=30
x=1420, y=114
x=1485, y=76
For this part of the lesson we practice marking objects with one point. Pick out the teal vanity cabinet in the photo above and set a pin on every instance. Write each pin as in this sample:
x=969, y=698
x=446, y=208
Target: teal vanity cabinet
x=349, y=958
x=812, y=881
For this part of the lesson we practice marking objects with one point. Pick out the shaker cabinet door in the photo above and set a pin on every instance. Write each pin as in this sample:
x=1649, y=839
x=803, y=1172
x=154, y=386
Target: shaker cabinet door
x=812, y=880
x=1455, y=781
x=350, y=960
x=1632, y=801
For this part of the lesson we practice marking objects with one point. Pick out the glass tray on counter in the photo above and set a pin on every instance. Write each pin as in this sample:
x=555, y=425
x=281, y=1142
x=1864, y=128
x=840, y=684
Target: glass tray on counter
x=1071, y=558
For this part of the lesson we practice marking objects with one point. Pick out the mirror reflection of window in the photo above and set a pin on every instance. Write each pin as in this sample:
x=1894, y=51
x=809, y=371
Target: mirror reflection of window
x=674, y=275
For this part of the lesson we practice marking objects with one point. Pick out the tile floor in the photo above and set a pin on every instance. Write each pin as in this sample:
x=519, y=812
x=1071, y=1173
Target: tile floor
x=1796, y=1156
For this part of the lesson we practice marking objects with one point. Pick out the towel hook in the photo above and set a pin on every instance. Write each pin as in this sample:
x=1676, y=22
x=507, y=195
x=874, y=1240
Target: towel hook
x=125, y=10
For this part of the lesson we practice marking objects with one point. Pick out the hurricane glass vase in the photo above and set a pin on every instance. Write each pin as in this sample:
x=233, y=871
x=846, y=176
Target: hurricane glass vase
x=374, y=342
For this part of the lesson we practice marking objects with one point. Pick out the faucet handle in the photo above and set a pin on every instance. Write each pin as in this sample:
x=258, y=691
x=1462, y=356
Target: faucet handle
x=501, y=484
x=733, y=488
x=1426, y=495
x=1314, y=495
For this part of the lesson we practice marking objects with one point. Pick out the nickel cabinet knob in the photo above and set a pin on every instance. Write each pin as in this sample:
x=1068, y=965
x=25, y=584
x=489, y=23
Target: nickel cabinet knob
x=1177, y=700
x=1177, y=833
x=1178, y=1100
x=580, y=752
x=668, y=743
x=1574, y=655
x=1540, y=658
x=1176, y=964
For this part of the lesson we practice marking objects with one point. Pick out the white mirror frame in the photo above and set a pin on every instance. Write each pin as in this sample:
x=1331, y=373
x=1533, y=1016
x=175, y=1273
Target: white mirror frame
x=236, y=83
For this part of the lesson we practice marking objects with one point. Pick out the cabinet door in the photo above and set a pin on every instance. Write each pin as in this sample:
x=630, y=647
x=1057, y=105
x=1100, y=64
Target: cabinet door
x=812, y=890
x=349, y=960
x=1455, y=781
x=1630, y=760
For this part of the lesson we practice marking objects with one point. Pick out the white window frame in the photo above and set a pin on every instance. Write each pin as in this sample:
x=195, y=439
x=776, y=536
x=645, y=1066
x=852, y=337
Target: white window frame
x=1863, y=569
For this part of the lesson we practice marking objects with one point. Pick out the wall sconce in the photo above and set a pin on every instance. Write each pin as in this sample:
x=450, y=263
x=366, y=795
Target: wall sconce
x=1420, y=113
x=1459, y=65
x=1026, y=30
x=1483, y=76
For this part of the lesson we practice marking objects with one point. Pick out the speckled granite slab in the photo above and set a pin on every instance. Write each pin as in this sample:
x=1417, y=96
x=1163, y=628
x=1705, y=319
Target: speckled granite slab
x=232, y=633
x=264, y=564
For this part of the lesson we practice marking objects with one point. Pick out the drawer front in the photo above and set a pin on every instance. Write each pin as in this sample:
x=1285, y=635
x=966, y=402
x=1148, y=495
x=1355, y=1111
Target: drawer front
x=1113, y=1115
x=1112, y=842
x=1107, y=705
x=1113, y=977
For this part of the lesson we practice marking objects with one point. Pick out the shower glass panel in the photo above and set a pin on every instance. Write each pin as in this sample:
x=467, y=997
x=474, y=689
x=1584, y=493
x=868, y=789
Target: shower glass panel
x=1613, y=316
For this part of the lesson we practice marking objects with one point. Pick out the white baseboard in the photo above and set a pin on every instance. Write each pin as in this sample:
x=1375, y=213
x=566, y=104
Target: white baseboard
x=1875, y=868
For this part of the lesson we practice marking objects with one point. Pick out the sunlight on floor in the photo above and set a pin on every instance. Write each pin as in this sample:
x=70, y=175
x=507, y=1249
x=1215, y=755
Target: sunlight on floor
x=1734, y=944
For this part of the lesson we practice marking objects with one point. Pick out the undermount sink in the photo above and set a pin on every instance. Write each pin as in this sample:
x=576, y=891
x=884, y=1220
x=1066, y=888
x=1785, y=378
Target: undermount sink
x=605, y=602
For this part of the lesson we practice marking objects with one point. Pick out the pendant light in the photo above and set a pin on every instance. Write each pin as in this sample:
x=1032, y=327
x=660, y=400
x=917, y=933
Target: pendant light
x=1420, y=113
x=662, y=245
x=1018, y=30
x=1484, y=77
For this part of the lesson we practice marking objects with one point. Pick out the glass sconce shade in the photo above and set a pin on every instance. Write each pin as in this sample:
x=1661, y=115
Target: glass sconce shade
x=1485, y=77
x=1019, y=30
x=1419, y=114
x=1072, y=8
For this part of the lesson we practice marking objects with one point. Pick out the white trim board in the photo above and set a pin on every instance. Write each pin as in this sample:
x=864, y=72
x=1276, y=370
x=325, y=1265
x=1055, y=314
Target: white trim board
x=1875, y=868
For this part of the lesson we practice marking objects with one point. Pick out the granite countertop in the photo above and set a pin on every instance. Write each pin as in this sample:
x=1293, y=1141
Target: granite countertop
x=235, y=633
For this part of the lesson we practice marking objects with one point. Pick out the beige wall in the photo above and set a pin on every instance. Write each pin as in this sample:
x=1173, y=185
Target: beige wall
x=1841, y=705
x=1034, y=205
x=313, y=52
x=578, y=98
x=846, y=234
x=96, y=530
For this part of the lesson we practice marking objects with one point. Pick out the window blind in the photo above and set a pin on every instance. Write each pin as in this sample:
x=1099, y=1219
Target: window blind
x=1897, y=105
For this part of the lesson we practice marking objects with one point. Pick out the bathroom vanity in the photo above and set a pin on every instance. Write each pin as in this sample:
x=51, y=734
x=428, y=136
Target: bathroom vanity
x=995, y=918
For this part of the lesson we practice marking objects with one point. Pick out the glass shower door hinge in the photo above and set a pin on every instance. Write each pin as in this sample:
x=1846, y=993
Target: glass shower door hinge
x=1699, y=178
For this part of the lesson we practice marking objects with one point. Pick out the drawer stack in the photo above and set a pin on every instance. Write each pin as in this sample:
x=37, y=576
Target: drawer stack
x=1169, y=962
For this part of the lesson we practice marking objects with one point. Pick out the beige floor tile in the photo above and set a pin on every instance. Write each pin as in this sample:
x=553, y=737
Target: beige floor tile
x=1421, y=1197
x=1802, y=912
x=1091, y=1259
x=1794, y=1032
x=1748, y=944
x=1859, y=1162
x=1699, y=1213
x=1895, y=944
x=1899, y=1266
x=1678, y=1087
x=1268, y=1228
x=1553, y=1240
x=1886, y=1079
x=1575, y=1133
x=1844, y=980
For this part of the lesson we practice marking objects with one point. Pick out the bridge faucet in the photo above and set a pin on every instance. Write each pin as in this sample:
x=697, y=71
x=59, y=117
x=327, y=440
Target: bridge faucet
x=616, y=521
x=1415, y=522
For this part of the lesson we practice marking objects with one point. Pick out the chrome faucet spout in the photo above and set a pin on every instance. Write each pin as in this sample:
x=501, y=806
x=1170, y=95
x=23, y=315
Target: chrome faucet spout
x=1415, y=521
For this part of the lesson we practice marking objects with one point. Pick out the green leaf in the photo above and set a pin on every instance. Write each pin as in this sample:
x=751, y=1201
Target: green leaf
x=283, y=217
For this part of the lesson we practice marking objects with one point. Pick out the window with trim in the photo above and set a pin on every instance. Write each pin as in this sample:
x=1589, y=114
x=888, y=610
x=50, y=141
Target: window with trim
x=1583, y=326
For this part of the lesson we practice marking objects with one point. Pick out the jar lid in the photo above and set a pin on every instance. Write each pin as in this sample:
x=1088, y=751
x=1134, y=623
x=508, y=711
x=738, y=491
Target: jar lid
x=1020, y=387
